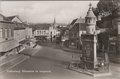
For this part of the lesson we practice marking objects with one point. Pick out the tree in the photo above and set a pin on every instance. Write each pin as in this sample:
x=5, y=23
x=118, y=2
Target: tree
x=106, y=7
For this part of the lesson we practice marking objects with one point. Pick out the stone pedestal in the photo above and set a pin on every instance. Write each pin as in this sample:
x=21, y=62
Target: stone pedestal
x=89, y=51
x=91, y=64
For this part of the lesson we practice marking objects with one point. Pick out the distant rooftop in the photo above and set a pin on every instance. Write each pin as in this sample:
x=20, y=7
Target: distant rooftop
x=42, y=26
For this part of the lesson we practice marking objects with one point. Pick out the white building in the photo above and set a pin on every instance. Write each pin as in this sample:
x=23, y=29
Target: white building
x=48, y=31
x=41, y=31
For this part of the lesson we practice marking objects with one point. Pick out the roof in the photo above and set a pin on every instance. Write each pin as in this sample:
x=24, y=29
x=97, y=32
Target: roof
x=90, y=12
x=80, y=20
x=6, y=24
x=2, y=17
x=43, y=28
x=73, y=21
x=10, y=18
x=40, y=26
x=24, y=41
x=76, y=21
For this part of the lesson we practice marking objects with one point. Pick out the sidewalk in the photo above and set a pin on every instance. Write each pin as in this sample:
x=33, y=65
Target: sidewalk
x=10, y=61
x=9, y=58
x=6, y=59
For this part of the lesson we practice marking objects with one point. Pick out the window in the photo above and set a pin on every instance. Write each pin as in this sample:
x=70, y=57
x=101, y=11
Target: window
x=37, y=32
x=9, y=32
x=88, y=20
x=42, y=32
x=12, y=33
x=1, y=35
x=5, y=33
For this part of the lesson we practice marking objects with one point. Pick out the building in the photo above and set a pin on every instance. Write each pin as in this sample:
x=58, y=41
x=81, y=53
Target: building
x=53, y=31
x=22, y=33
x=45, y=31
x=77, y=27
x=7, y=42
x=81, y=26
x=64, y=35
x=14, y=35
x=41, y=31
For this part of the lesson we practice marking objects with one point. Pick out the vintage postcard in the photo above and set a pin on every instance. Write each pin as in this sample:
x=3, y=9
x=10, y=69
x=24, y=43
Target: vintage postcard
x=60, y=39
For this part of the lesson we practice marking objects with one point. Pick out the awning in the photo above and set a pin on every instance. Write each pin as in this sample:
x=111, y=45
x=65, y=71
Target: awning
x=24, y=41
x=8, y=45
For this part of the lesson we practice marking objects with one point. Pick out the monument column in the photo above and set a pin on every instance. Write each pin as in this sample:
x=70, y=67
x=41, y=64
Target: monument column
x=95, y=50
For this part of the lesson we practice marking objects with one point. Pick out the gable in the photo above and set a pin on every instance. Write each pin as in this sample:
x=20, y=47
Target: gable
x=16, y=20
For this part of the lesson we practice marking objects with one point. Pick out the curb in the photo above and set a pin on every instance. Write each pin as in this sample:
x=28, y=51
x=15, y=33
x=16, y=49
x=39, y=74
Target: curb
x=73, y=51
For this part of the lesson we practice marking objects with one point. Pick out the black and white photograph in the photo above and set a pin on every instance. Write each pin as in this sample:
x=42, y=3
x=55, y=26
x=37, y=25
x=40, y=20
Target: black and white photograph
x=60, y=39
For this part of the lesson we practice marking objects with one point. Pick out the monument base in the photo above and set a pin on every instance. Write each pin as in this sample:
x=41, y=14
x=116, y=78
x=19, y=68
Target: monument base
x=91, y=72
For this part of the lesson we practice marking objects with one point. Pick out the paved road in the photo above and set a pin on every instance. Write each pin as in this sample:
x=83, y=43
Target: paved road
x=50, y=63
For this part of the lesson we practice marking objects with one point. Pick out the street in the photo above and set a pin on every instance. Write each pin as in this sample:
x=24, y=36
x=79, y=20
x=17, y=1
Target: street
x=48, y=63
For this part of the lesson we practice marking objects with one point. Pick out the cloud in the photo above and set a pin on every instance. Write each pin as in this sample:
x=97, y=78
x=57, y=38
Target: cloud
x=45, y=11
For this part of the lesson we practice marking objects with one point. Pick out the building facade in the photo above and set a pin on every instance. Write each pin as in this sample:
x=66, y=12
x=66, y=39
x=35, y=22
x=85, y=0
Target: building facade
x=53, y=31
x=41, y=32
x=77, y=27
x=81, y=26
x=47, y=31
x=7, y=42
x=12, y=33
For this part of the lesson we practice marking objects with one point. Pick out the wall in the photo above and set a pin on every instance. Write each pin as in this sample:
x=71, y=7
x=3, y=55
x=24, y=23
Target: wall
x=6, y=31
x=41, y=32
x=29, y=32
x=19, y=35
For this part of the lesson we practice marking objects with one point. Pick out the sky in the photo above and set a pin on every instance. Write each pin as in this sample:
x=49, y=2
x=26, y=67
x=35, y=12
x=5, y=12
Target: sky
x=46, y=11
